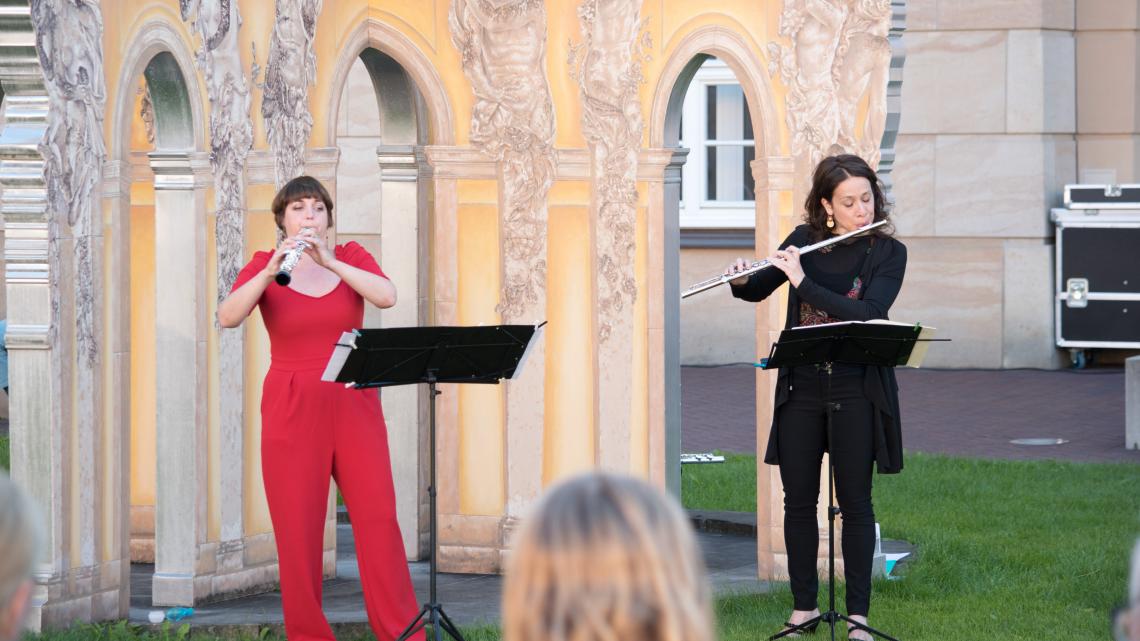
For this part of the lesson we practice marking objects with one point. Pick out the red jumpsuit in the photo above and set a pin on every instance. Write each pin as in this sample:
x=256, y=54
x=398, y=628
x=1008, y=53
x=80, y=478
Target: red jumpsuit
x=311, y=430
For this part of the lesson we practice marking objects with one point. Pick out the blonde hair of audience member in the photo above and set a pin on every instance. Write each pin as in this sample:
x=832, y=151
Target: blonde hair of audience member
x=19, y=545
x=606, y=558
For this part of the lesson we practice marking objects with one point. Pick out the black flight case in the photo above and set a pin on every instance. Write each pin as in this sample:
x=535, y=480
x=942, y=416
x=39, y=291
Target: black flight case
x=1098, y=269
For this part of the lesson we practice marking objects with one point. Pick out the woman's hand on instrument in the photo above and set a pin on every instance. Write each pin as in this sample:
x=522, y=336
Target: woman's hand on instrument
x=736, y=267
x=274, y=264
x=787, y=260
x=317, y=249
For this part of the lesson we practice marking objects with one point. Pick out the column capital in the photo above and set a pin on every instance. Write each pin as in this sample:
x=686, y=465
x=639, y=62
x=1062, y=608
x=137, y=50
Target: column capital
x=662, y=164
x=448, y=161
x=398, y=163
x=179, y=170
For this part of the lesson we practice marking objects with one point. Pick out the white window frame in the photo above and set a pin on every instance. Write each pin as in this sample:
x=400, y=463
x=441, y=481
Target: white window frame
x=699, y=212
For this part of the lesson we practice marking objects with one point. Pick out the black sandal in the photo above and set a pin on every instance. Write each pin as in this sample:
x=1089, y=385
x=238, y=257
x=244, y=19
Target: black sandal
x=852, y=628
x=799, y=627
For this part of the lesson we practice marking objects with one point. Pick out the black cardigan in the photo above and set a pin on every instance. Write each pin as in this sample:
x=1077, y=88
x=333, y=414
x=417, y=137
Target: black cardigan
x=882, y=276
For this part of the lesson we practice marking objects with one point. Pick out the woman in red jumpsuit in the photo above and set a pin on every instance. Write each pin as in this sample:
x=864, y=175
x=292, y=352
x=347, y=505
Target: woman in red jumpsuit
x=312, y=430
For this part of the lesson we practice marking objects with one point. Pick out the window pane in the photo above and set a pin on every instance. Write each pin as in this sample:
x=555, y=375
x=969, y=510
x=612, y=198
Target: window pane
x=726, y=113
x=710, y=173
x=730, y=174
x=710, y=126
x=749, y=179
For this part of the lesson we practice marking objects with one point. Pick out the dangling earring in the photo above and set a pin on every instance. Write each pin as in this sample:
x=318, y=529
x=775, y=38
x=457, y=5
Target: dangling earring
x=830, y=221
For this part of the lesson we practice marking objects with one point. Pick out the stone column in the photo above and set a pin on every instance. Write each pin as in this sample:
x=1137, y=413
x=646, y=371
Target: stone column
x=180, y=327
x=35, y=411
x=774, y=176
x=670, y=358
x=662, y=168
x=116, y=195
x=402, y=242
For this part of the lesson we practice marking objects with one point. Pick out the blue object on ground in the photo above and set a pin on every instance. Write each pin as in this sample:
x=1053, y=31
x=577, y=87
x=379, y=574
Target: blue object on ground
x=177, y=614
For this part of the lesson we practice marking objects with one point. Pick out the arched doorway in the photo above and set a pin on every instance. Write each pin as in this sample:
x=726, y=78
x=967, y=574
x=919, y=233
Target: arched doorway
x=380, y=128
x=157, y=321
x=716, y=224
x=754, y=108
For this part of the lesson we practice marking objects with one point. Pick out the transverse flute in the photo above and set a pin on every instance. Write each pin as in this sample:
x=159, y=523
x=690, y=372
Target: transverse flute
x=761, y=264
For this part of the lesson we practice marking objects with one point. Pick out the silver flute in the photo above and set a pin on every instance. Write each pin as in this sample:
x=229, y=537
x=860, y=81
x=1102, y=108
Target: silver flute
x=292, y=257
x=761, y=264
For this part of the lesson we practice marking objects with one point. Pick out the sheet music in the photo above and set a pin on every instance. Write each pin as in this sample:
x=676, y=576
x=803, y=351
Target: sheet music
x=534, y=339
x=344, y=347
x=917, y=354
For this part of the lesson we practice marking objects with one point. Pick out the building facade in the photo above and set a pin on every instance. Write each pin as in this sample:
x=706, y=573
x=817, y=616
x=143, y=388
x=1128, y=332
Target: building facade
x=508, y=161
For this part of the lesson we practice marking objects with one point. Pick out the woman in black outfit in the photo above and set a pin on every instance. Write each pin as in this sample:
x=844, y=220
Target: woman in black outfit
x=855, y=280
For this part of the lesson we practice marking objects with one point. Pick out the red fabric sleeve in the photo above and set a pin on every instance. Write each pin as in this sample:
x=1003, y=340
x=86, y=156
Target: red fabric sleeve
x=357, y=256
x=255, y=264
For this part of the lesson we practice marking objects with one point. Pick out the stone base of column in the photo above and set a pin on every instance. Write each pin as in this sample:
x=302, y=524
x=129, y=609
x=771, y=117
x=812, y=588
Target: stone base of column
x=227, y=570
x=472, y=544
x=86, y=594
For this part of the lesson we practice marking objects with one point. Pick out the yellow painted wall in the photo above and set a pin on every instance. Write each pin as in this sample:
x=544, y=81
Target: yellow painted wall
x=482, y=441
x=569, y=428
x=142, y=347
x=261, y=235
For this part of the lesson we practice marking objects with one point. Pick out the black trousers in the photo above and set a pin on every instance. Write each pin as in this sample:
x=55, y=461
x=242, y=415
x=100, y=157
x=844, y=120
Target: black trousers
x=802, y=440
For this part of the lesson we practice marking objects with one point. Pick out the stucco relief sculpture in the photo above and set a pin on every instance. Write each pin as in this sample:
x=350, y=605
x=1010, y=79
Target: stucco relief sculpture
x=217, y=22
x=69, y=42
x=289, y=70
x=608, y=67
x=862, y=67
x=503, y=49
x=838, y=54
x=146, y=111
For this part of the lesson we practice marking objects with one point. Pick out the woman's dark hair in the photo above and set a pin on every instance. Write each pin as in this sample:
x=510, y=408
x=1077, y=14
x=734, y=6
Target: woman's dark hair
x=828, y=174
x=296, y=189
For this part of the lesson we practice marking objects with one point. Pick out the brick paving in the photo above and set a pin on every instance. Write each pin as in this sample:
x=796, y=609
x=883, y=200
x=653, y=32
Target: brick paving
x=957, y=412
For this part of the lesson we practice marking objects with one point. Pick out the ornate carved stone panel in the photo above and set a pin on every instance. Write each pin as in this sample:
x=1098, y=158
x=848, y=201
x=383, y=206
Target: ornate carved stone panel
x=146, y=111
x=217, y=22
x=289, y=70
x=607, y=64
x=503, y=49
x=838, y=54
x=69, y=37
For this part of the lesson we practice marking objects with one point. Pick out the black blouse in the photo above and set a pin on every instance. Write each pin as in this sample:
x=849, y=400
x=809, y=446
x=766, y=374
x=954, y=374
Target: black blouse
x=879, y=264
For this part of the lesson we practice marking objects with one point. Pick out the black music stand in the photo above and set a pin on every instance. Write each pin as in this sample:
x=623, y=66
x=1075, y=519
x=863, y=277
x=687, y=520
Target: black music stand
x=414, y=355
x=853, y=343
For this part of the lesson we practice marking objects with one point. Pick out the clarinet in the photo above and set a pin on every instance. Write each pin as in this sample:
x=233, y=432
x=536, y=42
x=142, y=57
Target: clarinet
x=292, y=257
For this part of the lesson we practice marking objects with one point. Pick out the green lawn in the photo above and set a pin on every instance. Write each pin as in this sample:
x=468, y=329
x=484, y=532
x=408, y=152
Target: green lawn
x=1007, y=551
x=5, y=453
x=729, y=486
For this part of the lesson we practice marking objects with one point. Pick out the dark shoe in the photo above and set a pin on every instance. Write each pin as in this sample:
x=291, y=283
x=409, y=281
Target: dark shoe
x=851, y=628
x=808, y=629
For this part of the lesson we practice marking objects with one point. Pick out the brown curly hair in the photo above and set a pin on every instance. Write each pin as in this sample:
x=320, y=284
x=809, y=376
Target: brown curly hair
x=296, y=189
x=828, y=174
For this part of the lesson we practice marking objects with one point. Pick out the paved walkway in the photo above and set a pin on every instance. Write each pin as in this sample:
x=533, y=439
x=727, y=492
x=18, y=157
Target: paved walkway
x=468, y=599
x=958, y=412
